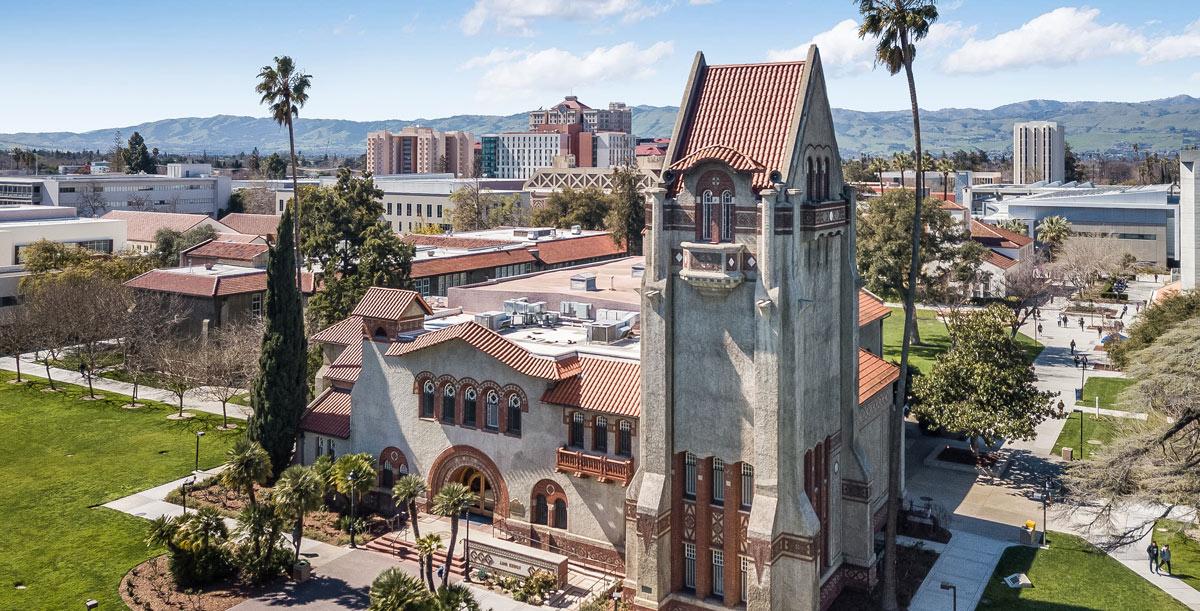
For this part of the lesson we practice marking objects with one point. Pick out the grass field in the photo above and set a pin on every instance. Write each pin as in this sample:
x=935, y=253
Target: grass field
x=1100, y=428
x=1107, y=389
x=1185, y=551
x=934, y=339
x=63, y=457
x=1071, y=574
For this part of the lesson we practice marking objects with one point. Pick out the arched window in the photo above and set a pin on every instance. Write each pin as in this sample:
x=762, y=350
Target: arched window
x=625, y=438
x=825, y=181
x=727, y=215
x=560, y=514
x=448, y=404
x=575, y=434
x=470, y=404
x=380, y=333
x=541, y=510
x=492, y=411
x=387, y=478
x=810, y=179
x=708, y=206
x=427, y=400
x=600, y=435
x=514, y=414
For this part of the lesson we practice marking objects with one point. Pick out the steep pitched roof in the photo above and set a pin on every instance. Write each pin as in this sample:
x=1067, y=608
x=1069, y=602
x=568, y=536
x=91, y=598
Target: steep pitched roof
x=328, y=414
x=870, y=308
x=874, y=375
x=342, y=333
x=604, y=384
x=388, y=304
x=493, y=344
x=719, y=152
x=1000, y=260
x=994, y=236
x=747, y=108
x=252, y=224
x=142, y=225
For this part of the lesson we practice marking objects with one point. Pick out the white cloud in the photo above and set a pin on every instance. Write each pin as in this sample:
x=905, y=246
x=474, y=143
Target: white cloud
x=840, y=47
x=511, y=73
x=1179, y=46
x=514, y=16
x=702, y=2
x=1063, y=36
x=945, y=34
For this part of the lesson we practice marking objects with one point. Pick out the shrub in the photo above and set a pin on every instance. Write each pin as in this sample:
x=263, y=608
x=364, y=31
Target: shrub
x=1154, y=321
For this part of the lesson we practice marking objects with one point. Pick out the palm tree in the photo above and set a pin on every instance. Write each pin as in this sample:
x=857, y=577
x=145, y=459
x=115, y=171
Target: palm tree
x=897, y=25
x=260, y=527
x=902, y=162
x=877, y=167
x=1015, y=226
x=427, y=546
x=162, y=531
x=285, y=90
x=248, y=464
x=944, y=166
x=405, y=493
x=395, y=590
x=1053, y=231
x=456, y=597
x=451, y=501
x=353, y=475
x=202, y=530
x=298, y=490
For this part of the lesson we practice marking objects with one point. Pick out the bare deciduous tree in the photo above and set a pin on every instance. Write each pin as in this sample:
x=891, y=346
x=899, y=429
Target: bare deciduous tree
x=91, y=200
x=228, y=360
x=1083, y=260
x=1027, y=285
x=48, y=305
x=150, y=319
x=16, y=334
x=178, y=371
x=94, y=321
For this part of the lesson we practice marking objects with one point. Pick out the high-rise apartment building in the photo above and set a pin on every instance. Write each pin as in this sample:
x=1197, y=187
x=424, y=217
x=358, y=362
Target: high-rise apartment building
x=617, y=118
x=420, y=150
x=1038, y=152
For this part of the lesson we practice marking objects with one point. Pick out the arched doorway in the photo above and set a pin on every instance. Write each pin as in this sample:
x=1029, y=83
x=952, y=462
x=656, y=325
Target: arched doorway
x=477, y=482
x=475, y=470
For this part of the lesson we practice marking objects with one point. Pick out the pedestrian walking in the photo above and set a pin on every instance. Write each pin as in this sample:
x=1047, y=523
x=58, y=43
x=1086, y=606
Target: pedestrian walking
x=1085, y=361
x=82, y=369
x=1124, y=311
x=1039, y=327
x=1164, y=557
x=1073, y=347
x=1137, y=307
x=1077, y=360
x=1081, y=327
x=1152, y=552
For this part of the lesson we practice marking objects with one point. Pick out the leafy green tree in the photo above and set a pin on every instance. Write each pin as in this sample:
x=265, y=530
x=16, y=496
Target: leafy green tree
x=984, y=385
x=451, y=501
x=507, y=211
x=280, y=391
x=405, y=494
x=587, y=208
x=896, y=26
x=169, y=243
x=1074, y=169
x=627, y=209
x=284, y=90
x=427, y=546
x=472, y=205
x=259, y=553
x=1053, y=232
x=1180, y=309
x=196, y=546
x=298, y=490
x=248, y=465
x=354, y=475
x=274, y=168
x=137, y=157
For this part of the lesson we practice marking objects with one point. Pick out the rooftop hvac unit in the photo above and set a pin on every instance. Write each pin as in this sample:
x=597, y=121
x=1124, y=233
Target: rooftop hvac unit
x=604, y=332
x=493, y=320
x=575, y=309
x=638, y=270
x=583, y=282
x=576, y=230
x=513, y=306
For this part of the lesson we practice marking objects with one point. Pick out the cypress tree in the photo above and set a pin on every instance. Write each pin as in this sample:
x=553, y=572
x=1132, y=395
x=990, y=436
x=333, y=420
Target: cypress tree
x=280, y=392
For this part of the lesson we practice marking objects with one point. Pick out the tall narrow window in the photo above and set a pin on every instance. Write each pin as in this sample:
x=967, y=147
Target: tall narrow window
x=689, y=566
x=718, y=572
x=448, y=404
x=689, y=475
x=427, y=400
x=576, y=432
x=727, y=215
x=625, y=439
x=540, y=510
x=747, y=485
x=825, y=181
x=745, y=576
x=560, y=514
x=709, y=230
x=600, y=435
x=718, y=481
x=470, y=406
x=810, y=180
x=514, y=415
x=492, y=411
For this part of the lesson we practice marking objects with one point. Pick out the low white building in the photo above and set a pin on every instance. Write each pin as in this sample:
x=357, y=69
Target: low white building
x=24, y=225
x=93, y=194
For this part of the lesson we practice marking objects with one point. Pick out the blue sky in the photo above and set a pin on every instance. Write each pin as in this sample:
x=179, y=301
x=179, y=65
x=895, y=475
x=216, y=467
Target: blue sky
x=96, y=65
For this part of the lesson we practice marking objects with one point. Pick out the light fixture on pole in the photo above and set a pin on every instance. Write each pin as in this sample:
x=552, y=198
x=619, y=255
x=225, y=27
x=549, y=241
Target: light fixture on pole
x=946, y=585
x=350, y=480
x=467, y=545
x=187, y=483
x=199, y=434
x=1080, y=410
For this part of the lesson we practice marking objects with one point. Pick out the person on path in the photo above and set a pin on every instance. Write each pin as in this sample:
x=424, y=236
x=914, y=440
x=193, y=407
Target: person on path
x=1081, y=327
x=1039, y=327
x=1085, y=363
x=1076, y=360
x=1072, y=346
x=1152, y=552
x=1124, y=311
x=1164, y=557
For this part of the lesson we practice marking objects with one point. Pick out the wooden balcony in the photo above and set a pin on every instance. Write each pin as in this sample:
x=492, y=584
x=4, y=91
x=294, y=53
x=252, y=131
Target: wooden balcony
x=582, y=464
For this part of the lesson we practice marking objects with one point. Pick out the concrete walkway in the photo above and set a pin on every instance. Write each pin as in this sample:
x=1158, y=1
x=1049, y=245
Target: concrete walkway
x=967, y=563
x=192, y=400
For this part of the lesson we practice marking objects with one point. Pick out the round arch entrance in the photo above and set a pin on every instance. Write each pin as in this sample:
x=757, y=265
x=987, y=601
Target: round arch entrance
x=473, y=469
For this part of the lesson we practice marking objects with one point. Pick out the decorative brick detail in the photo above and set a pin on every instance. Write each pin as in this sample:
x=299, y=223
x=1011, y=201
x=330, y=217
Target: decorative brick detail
x=743, y=529
x=783, y=221
x=455, y=457
x=689, y=521
x=394, y=457
x=606, y=558
x=823, y=216
x=793, y=546
x=717, y=529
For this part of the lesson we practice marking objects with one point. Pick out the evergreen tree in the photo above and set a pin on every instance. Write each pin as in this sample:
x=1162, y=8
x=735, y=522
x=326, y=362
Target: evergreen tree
x=280, y=390
x=137, y=157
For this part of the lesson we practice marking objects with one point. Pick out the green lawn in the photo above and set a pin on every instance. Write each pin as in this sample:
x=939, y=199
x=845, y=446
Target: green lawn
x=1071, y=574
x=65, y=456
x=1185, y=551
x=1107, y=389
x=934, y=339
x=1100, y=428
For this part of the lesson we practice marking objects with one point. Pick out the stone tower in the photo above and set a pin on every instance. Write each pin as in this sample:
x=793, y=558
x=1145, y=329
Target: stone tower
x=752, y=484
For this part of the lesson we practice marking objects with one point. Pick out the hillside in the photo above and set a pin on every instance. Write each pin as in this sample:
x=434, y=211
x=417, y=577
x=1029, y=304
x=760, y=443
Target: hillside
x=1110, y=127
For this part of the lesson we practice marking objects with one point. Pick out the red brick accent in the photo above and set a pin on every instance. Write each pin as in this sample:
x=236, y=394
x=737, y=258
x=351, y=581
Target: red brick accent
x=677, y=487
x=454, y=457
x=606, y=558
x=732, y=535
x=703, y=527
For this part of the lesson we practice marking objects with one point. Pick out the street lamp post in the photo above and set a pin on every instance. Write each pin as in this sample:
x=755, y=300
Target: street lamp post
x=187, y=483
x=467, y=545
x=946, y=585
x=350, y=479
x=1080, y=410
x=616, y=598
x=199, y=434
x=1045, y=501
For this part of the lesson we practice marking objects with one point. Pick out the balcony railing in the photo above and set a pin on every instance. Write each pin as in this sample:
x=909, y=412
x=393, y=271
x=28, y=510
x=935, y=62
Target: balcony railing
x=712, y=267
x=603, y=468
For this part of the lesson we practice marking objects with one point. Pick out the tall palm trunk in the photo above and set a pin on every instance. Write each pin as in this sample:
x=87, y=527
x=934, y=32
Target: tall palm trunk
x=896, y=426
x=298, y=535
x=412, y=518
x=450, y=550
x=295, y=199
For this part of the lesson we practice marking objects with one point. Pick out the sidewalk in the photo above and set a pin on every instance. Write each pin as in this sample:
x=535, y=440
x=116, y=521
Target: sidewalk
x=192, y=400
x=966, y=563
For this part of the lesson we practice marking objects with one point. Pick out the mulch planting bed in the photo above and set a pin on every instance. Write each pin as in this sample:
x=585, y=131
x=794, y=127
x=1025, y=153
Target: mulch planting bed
x=150, y=587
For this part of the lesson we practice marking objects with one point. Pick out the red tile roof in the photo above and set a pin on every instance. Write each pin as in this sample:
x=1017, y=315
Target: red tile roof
x=950, y=205
x=200, y=285
x=252, y=224
x=606, y=385
x=870, y=308
x=141, y=225
x=874, y=375
x=423, y=268
x=748, y=108
x=344, y=333
x=649, y=150
x=388, y=304
x=491, y=343
x=450, y=241
x=736, y=159
x=328, y=414
x=238, y=237
x=578, y=249
x=234, y=251
x=997, y=237
x=343, y=374
x=352, y=356
x=1000, y=260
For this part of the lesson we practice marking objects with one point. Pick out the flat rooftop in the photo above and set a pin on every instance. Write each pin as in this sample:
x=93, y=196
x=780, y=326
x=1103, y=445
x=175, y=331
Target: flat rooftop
x=489, y=240
x=614, y=281
x=553, y=341
x=94, y=177
x=219, y=270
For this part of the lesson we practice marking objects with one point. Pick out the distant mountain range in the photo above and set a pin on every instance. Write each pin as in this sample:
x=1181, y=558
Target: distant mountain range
x=1109, y=127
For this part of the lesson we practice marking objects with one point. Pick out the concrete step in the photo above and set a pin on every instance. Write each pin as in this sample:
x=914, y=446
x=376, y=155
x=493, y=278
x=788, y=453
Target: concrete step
x=403, y=550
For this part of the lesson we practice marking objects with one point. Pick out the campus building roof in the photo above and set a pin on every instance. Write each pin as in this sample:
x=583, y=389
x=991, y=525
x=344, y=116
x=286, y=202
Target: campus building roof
x=613, y=386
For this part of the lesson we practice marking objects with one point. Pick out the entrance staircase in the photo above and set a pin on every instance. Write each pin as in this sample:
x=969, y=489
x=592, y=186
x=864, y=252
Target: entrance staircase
x=394, y=546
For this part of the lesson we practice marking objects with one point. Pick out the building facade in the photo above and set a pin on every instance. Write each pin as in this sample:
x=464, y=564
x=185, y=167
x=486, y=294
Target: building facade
x=616, y=118
x=1039, y=152
x=93, y=194
x=420, y=150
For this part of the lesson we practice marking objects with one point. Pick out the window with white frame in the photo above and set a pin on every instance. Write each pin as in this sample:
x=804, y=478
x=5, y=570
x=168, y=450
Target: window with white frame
x=492, y=411
x=448, y=404
x=427, y=399
x=718, y=572
x=689, y=566
x=718, y=481
x=513, y=424
x=689, y=475
x=745, y=576
x=747, y=484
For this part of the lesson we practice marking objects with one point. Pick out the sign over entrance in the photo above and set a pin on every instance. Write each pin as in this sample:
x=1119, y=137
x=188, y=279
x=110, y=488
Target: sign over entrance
x=496, y=556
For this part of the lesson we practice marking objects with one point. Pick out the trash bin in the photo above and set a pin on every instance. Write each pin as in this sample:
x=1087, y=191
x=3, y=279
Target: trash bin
x=1078, y=394
x=1068, y=454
